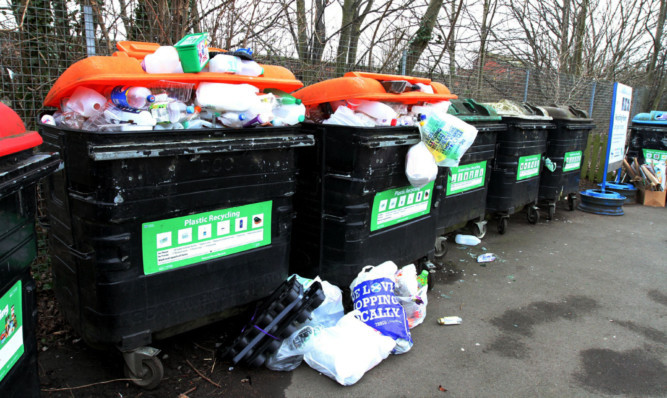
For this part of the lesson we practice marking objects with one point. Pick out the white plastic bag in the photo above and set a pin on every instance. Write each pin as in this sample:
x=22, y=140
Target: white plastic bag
x=447, y=137
x=420, y=166
x=373, y=295
x=290, y=354
x=331, y=310
x=411, y=295
x=345, y=352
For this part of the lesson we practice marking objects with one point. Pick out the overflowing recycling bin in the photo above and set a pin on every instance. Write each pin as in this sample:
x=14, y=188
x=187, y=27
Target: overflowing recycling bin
x=355, y=206
x=20, y=171
x=565, y=150
x=156, y=232
x=515, y=178
x=463, y=197
x=648, y=137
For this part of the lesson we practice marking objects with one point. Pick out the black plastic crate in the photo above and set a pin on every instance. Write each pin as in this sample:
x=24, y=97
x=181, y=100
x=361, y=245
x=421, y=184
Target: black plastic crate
x=158, y=232
x=345, y=214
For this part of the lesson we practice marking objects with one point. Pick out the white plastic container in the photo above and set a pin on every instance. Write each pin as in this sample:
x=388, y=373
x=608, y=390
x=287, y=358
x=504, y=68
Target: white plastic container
x=84, y=101
x=224, y=97
x=468, y=240
x=223, y=63
x=164, y=60
x=250, y=68
x=383, y=113
x=289, y=115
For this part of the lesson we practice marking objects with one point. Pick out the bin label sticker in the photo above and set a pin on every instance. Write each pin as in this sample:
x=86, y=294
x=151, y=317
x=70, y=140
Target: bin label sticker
x=466, y=177
x=181, y=241
x=529, y=166
x=11, y=328
x=654, y=155
x=401, y=204
x=572, y=161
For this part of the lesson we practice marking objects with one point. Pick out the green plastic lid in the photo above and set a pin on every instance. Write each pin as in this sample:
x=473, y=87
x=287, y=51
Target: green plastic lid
x=522, y=110
x=567, y=112
x=470, y=110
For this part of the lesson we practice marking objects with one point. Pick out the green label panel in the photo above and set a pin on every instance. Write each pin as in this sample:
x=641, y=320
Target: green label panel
x=655, y=155
x=466, y=177
x=572, y=161
x=529, y=166
x=397, y=205
x=181, y=241
x=11, y=329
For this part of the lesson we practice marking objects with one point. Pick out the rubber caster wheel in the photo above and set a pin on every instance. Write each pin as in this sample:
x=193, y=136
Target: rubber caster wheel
x=153, y=371
x=479, y=231
x=502, y=225
x=533, y=215
x=570, y=202
x=440, y=247
x=551, y=212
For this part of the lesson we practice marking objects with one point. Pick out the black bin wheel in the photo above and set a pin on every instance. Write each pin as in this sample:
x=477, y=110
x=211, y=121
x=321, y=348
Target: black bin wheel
x=440, y=247
x=533, y=215
x=570, y=201
x=153, y=371
x=502, y=225
x=551, y=212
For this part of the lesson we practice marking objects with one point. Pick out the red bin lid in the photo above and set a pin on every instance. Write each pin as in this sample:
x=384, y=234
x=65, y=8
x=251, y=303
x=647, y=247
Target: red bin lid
x=13, y=135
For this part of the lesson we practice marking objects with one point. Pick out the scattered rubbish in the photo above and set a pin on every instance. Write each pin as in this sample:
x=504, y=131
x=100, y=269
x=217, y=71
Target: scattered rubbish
x=450, y=320
x=468, y=240
x=441, y=388
x=486, y=258
x=445, y=296
x=511, y=278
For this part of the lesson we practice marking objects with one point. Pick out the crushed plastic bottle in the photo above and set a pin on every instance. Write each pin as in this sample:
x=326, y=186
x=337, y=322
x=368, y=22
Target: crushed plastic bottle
x=468, y=240
x=486, y=258
x=134, y=97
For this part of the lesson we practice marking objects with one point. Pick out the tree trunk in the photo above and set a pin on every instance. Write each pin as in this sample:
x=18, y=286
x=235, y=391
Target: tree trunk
x=423, y=35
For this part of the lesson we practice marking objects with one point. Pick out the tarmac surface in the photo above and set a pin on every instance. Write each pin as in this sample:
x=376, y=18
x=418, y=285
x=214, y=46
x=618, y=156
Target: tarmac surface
x=572, y=307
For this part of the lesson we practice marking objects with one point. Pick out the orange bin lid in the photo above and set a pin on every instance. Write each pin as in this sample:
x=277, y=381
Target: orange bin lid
x=367, y=86
x=13, y=135
x=100, y=72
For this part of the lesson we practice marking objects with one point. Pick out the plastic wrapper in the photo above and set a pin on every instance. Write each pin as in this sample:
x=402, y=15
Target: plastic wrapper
x=420, y=166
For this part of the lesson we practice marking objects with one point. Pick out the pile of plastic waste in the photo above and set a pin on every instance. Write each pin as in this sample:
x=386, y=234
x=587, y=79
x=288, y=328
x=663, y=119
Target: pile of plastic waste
x=388, y=302
x=167, y=105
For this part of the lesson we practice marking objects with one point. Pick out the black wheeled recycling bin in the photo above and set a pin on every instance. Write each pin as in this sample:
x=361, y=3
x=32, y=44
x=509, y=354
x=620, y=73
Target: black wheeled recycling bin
x=648, y=137
x=515, y=178
x=20, y=171
x=565, y=150
x=156, y=232
x=355, y=206
x=465, y=187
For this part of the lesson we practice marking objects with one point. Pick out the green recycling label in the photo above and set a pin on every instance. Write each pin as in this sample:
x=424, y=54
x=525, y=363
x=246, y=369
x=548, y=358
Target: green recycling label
x=529, y=166
x=654, y=155
x=572, y=161
x=401, y=204
x=466, y=177
x=11, y=328
x=181, y=241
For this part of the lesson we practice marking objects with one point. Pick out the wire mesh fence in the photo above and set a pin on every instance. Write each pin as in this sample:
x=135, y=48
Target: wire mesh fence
x=40, y=39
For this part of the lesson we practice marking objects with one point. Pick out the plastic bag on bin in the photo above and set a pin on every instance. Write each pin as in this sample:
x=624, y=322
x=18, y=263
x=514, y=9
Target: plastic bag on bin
x=420, y=166
x=373, y=296
x=345, y=352
x=447, y=137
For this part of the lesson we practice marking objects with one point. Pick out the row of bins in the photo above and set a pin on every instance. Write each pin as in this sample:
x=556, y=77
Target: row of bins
x=157, y=232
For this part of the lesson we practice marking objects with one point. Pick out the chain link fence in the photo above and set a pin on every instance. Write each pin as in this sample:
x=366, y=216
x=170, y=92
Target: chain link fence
x=40, y=39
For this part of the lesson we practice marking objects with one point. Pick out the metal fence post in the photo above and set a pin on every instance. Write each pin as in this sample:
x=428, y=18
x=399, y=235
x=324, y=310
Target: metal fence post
x=525, y=89
x=90, y=30
x=404, y=62
x=590, y=107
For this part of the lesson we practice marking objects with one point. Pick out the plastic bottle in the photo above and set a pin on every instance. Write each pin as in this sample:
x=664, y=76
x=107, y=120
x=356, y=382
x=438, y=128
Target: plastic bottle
x=134, y=97
x=289, y=115
x=377, y=110
x=164, y=60
x=258, y=120
x=224, y=63
x=282, y=97
x=114, y=114
x=225, y=97
x=469, y=240
x=250, y=68
x=232, y=119
x=422, y=279
x=197, y=124
x=84, y=101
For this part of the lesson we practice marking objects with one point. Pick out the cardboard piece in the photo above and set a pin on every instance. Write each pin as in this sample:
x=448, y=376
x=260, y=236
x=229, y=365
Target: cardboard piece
x=652, y=198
